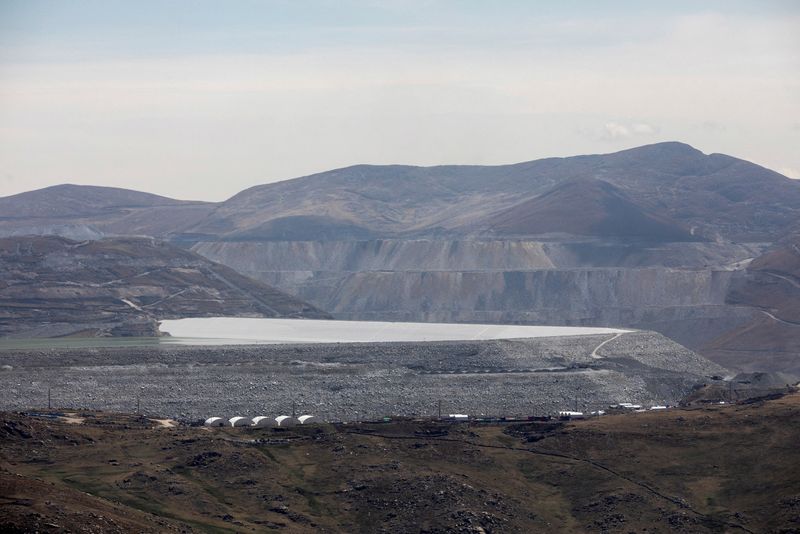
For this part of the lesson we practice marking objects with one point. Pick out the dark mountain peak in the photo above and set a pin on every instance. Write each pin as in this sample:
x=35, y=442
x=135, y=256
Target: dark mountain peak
x=665, y=147
x=584, y=185
x=587, y=207
x=671, y=158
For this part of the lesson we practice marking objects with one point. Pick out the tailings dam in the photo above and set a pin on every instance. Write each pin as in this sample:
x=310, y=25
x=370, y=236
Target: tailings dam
x=357, y=380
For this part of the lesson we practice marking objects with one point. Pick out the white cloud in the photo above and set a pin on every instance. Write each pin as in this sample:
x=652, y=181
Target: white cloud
x=641, y=128
x=620, y=131
x=615, y=130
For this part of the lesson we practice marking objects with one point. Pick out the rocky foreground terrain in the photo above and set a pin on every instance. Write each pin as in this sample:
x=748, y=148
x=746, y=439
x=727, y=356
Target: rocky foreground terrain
x=704, y=469
x=357, y=381
x=53, y=286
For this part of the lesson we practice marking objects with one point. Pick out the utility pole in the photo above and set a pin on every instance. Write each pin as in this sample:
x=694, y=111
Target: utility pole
x=294, y=411
x=48, y=398
x=138, y=397
x=440, y=408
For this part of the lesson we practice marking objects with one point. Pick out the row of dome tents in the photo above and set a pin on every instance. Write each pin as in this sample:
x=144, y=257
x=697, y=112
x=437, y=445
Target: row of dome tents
x=261, y=421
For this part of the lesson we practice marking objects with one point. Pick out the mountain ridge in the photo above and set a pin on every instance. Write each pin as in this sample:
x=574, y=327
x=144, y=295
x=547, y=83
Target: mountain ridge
x=720, y=196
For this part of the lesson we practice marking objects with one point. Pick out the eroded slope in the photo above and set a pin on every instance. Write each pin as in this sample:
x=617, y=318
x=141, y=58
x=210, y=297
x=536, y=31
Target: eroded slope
x=52, y=286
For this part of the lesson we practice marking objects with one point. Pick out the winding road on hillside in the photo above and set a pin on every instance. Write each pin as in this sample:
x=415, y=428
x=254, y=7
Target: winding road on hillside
x=778, y=319
x=598, y=347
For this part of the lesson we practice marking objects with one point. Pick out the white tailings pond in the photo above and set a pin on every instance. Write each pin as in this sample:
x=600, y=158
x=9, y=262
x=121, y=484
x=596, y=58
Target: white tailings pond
x=238, y=331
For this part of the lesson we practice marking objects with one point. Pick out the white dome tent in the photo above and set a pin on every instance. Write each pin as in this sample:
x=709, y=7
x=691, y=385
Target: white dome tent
x=262, y=421
x=307, y=419
x=285, y=420
x=240, y=421
x=214, y=421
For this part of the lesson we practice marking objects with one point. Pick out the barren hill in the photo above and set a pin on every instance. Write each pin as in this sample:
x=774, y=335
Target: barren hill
x=82, y=211
x=722, y=196
x=51, y=286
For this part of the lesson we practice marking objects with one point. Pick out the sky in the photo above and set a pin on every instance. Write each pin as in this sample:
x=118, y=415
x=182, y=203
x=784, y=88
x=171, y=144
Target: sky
x=201, y=99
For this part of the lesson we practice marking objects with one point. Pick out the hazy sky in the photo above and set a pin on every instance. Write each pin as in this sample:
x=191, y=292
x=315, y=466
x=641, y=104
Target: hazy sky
x=200, y=99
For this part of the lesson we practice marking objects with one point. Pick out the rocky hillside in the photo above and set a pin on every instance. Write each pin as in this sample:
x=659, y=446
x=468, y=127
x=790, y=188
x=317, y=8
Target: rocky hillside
x=713, y=469
x=665, y=190
x=770, y=286
x=53, y=286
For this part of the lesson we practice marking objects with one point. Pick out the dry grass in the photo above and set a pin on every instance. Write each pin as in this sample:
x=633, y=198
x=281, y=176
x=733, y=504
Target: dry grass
x=713, y=469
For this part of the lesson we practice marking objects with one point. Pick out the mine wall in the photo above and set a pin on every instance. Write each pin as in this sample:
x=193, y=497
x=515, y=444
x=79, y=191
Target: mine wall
x=678, y=289
x=466, y=254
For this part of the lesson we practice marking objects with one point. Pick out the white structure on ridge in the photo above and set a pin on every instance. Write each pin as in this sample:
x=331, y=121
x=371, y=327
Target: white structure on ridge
x=214, y=421
x=262, y=421
x=240, y=421
x=285, y=420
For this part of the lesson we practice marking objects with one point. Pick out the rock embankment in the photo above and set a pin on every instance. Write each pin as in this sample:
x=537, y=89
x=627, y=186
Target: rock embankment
x=359, y=380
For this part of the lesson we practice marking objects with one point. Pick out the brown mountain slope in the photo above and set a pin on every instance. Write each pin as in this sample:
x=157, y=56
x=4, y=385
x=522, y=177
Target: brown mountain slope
x=723, y=197
x=704, y=470
x=586, y=208
x=89, y=211
x=54, y=286
x=69, y=200
x=771, y=285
